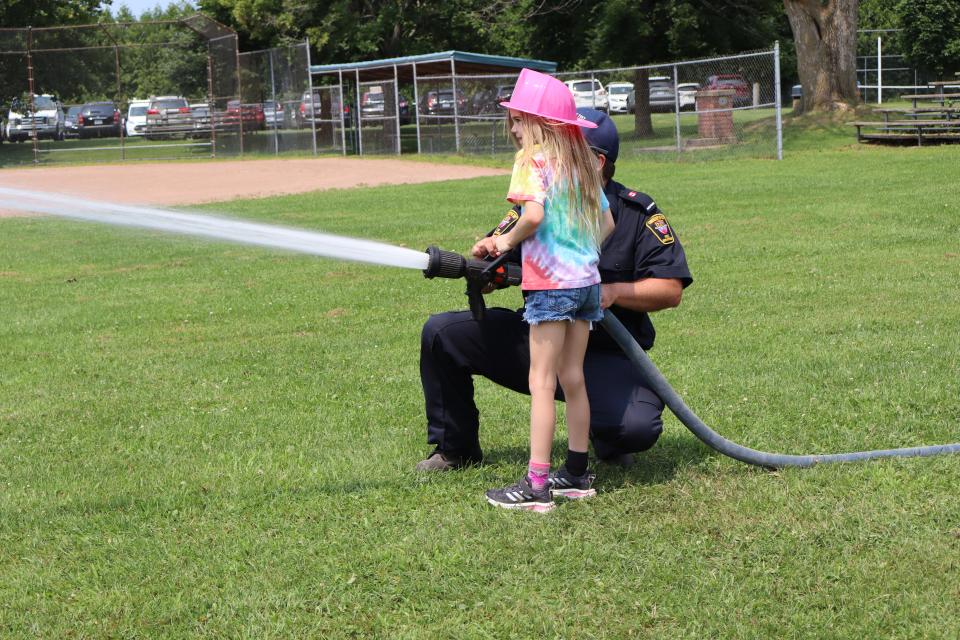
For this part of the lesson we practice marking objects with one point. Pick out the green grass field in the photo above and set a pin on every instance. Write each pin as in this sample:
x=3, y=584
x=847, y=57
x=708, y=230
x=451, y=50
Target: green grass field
x=206, y=440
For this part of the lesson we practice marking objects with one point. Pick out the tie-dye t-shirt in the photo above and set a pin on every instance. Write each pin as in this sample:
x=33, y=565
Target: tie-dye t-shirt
x=560, y=254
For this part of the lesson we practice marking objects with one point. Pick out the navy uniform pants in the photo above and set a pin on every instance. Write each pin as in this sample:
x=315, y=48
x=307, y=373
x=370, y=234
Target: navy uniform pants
x=625, y=416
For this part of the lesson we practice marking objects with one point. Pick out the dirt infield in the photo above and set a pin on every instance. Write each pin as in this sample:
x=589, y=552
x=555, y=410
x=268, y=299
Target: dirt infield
x=196, y=182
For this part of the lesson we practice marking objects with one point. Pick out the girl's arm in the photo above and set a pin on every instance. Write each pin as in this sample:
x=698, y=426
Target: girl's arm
x=525, y=227
x=606, y=225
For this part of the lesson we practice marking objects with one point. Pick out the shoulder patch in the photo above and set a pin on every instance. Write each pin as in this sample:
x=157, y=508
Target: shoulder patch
x=640, y=198
x=659, y=227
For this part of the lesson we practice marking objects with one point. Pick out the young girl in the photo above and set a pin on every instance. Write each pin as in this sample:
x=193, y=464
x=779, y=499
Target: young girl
x=565, y=217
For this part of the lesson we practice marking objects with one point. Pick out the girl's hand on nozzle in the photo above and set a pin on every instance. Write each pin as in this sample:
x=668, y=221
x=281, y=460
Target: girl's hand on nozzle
x=484, y=247
x=502, y=244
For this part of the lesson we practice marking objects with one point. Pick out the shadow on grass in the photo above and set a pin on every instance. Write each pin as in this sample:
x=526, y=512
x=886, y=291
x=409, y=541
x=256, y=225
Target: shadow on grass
x=657, y=465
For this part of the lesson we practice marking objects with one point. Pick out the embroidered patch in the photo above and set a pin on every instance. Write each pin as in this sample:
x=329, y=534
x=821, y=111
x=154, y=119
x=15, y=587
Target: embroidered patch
x=658, y=225
x=507, y=223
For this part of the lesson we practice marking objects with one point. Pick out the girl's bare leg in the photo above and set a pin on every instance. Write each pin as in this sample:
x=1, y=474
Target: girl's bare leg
x=570, y=373
x=546, y=345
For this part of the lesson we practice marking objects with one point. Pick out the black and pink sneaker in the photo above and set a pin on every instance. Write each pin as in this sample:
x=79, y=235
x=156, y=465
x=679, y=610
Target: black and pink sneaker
x=522, y=496
x=564, y=484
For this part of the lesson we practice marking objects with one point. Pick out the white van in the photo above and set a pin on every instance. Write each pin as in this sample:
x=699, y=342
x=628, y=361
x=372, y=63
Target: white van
x=136, y=117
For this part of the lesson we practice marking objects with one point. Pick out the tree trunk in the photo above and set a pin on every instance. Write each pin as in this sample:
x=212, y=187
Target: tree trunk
x=642, y=123
x=825, y=33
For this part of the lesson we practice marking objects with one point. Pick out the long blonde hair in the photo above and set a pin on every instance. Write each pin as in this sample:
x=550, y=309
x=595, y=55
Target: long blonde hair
x=571, y=159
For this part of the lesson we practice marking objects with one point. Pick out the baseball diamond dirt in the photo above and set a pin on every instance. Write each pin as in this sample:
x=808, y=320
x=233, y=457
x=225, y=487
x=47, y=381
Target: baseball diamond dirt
x=186, y=183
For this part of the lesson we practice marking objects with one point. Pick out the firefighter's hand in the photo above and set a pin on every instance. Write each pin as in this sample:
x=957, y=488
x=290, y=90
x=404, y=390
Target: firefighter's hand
x=608, y=295
x=484, y=247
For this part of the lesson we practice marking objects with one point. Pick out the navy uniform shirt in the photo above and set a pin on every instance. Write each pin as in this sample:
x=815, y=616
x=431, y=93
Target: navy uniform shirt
x=643, y=245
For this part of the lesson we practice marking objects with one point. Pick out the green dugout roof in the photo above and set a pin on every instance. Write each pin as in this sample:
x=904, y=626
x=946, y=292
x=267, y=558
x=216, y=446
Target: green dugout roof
x=432, y=64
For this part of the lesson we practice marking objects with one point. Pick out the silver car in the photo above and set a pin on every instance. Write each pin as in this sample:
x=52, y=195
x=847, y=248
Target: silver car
x=618, y=93
x=168, y=116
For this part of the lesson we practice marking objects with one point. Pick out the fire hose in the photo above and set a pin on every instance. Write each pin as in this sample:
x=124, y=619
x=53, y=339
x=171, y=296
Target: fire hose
x=481, y=274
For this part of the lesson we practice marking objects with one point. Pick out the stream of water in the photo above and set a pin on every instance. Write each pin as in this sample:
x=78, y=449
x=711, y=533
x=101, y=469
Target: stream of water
x=215, y=227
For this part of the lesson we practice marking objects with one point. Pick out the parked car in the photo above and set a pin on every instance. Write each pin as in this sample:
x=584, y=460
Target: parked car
x=41, y=117
x=168, y=116
x=249, y=114
x=70, y=121
x=687, y=91
x=136, y=117
x=324, y=106
x=589, y=94
x=200, y=113
x=440, y=103
x=274, y=114
x=404, y=106
x=98, y=120
x=743, y=96
x=617, y=98
x=662, y=95
x=372, y=103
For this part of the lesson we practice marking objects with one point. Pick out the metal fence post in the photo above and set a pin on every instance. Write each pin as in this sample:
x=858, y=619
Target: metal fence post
x=236, y=48
x=456, y=112
x=593, y=92
x=356, y=110
x=211, y=105
x=313, y=104
x=31, y=84
x=396, y=108
x=273, y=97
x=123, y=127
x=343, y=120
x=777, y=98
x=676, y=106
x=880, y=70
x=416, y=105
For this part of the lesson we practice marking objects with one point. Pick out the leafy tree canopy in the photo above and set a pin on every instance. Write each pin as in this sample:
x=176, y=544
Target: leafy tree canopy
x=931, y=34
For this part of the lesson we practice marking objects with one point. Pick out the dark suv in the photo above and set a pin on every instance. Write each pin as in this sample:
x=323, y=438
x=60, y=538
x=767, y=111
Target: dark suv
x=440, y=103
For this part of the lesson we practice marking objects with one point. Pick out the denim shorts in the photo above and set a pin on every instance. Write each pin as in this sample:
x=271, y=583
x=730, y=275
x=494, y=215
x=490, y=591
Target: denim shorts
x=554, y=305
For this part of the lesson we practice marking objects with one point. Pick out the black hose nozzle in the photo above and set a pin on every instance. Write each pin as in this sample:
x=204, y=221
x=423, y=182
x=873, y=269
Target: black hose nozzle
x=444, y=264
x=478, y=274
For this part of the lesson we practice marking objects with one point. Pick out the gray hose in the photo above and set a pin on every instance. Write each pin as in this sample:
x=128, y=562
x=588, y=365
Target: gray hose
x=712, y=439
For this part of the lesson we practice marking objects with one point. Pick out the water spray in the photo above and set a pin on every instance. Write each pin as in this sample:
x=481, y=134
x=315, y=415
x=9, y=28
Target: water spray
x=214, y=227
x=481, y=275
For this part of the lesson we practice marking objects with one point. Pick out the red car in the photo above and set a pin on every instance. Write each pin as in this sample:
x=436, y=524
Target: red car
x=250, y=114
x=735, y=81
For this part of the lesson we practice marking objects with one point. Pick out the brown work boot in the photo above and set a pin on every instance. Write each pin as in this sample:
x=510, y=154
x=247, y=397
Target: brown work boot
x=622, y=460
x=439, y=461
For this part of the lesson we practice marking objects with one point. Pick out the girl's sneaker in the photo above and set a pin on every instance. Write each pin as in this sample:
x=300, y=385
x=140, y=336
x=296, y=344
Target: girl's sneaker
x=522, y=496
x=563, y=483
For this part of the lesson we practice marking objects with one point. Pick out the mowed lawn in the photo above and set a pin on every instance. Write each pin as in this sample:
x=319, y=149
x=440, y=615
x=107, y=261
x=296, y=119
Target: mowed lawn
x=207, y=440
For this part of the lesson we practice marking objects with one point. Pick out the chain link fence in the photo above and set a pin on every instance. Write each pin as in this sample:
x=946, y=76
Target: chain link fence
x=279, y=112
x=727, y=106
x=221, y=102
x=115, y=91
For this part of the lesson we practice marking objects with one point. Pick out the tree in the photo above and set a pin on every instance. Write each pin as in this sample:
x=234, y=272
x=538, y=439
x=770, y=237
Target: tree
x=931, y=34
x=628, y=32
x=39, y=13
x=825, y=34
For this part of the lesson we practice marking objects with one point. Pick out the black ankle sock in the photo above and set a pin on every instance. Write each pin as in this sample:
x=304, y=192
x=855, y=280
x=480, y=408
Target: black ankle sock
x=576, y=462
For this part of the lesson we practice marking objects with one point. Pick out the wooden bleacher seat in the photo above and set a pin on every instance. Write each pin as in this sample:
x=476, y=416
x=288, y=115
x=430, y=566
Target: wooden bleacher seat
x=908, y=130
